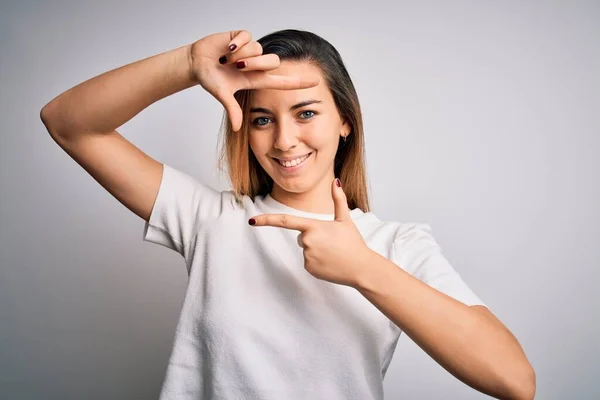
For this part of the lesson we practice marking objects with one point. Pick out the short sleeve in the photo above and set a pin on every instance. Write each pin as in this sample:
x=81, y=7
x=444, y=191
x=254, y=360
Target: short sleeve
x=182, y=204
x=416, y=251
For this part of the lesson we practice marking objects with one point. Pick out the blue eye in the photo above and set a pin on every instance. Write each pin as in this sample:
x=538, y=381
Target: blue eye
x=259, y=118
x=308, y=111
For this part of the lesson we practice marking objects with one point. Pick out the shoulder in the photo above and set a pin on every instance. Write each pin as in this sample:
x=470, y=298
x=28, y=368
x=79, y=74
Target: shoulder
x=394, y=236
x=401, y=232
x=200, y=200
x=413, y=233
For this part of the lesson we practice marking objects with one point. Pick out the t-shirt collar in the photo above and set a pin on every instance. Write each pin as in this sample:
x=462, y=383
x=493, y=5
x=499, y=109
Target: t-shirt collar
x=284, y=209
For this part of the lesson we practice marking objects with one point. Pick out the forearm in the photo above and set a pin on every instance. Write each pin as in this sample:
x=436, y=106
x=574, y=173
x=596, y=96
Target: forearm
x=107, y=101
x=477, y=350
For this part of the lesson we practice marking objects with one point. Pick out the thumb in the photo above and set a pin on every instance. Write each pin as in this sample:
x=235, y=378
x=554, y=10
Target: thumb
x=340, y=202
x=233, y=111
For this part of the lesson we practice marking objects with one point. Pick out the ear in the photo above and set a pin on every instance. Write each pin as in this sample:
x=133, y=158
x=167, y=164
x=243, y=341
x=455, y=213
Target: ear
x=345, y=129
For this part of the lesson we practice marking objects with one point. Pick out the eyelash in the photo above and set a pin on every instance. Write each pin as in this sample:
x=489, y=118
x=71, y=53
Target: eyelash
x=305, y=111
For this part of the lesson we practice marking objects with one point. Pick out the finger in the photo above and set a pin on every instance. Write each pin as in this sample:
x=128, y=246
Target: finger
x=299, y=239
x=259, y=62
x=267, y=81
x=238, y=39
x=233, y=109
x=340, y=202
x=283, y=221
x=250, y=50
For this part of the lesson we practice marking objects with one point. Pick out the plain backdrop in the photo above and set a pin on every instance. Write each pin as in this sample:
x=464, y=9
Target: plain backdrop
x=481, y=119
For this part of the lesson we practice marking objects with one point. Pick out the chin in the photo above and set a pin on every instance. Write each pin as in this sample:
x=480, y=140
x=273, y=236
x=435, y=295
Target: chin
x=293, y=185
x=293, y=189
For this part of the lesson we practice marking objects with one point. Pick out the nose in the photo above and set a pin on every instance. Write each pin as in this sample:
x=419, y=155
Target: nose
x=286, y=135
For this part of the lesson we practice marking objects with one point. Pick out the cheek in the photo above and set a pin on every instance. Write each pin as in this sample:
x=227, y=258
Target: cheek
x=258, y=144
x=323, y=140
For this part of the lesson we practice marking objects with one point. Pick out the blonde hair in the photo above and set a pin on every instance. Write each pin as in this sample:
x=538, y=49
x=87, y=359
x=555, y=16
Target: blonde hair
x=246, y=175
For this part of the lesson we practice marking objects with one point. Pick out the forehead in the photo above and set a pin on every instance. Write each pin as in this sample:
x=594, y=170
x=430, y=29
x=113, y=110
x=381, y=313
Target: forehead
x=274, y=98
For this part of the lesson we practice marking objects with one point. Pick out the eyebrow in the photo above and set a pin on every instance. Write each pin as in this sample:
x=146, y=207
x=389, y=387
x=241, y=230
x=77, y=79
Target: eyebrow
x=292, y=108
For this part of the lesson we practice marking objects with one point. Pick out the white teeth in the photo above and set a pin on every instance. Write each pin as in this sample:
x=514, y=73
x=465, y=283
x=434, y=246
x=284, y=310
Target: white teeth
x=293, y=163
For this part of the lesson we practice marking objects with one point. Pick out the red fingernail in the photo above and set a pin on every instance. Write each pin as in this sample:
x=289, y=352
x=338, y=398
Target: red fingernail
x=252, y=221
x=232, y=47
x=241, y=64
x=338, y=183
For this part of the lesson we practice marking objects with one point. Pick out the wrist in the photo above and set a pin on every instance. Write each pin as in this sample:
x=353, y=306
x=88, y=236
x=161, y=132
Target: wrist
x=366, y=263
x=182, y=65
x=189, y=62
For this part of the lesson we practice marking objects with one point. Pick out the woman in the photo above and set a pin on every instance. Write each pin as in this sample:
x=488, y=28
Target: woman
x=296, y=290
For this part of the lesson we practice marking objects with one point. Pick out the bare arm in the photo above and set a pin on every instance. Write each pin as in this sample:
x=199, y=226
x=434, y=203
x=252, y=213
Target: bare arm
x=469, y=342
x=83, y=122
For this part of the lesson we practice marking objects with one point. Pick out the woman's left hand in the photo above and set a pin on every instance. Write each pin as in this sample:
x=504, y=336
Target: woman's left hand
x=334, y=251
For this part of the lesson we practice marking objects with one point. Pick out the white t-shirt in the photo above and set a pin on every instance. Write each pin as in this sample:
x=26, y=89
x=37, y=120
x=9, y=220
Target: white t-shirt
x=254, y=323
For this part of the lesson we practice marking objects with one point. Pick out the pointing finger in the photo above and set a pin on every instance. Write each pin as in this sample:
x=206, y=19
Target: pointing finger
x=282, y=221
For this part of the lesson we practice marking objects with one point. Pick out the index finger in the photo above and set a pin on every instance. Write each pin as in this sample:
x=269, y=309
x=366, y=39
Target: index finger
x=284, y=82
x=282, y=221
x=291, y=82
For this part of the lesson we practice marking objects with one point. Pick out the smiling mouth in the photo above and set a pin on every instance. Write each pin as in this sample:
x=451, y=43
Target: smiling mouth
x=293, y=163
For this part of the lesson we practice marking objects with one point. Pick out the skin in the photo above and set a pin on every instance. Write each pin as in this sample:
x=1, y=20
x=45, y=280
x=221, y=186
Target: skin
x=289, y=133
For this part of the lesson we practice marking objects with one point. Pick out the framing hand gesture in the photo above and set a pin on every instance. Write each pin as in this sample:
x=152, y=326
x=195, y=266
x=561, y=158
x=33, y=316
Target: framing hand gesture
x=226, y=62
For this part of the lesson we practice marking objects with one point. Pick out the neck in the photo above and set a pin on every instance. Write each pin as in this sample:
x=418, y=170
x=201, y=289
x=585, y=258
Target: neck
x=317, y=200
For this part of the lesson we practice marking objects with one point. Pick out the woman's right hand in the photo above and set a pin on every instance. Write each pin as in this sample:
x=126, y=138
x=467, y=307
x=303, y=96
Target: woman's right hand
x=223, y=80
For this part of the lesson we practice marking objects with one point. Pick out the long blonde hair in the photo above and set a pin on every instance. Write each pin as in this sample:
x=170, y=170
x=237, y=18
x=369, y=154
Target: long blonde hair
x=246, y=174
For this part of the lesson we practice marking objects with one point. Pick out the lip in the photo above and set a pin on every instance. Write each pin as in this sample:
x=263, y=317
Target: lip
x=295, y=168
